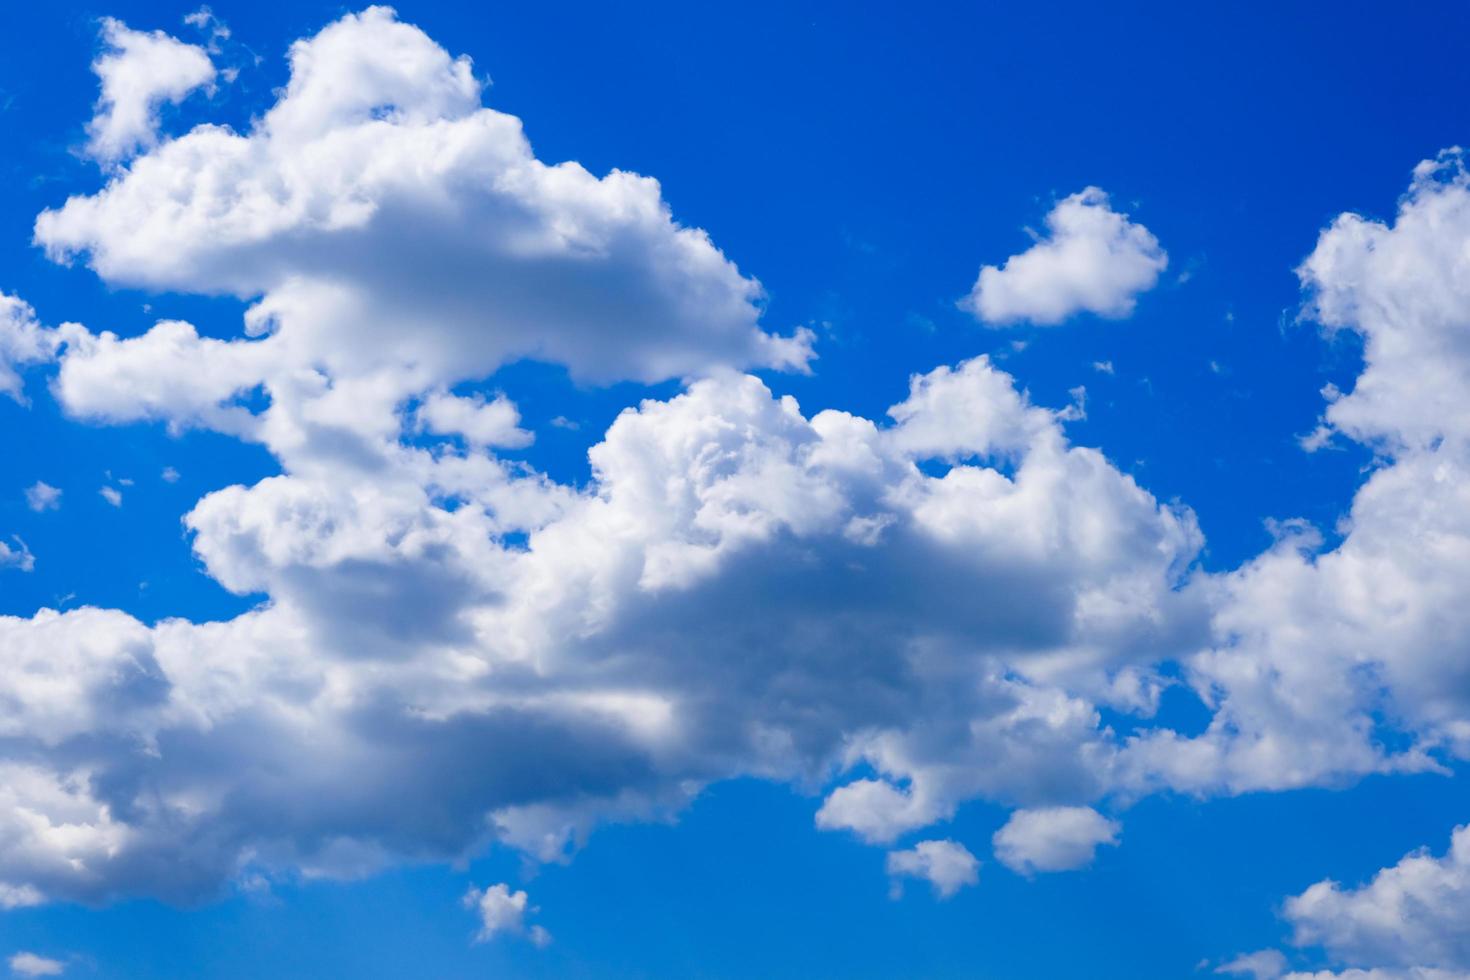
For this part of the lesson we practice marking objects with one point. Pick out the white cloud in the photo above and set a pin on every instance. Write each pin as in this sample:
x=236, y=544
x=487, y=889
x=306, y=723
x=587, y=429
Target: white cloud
x=42, y=496
x=1092, y=260
x=112, y=495
x=482, y=424
x=1059, y=838
x=1330, y=663
x=1265, y=964
x=1407, y=923
x=946, y=865
x=380, y=138
x=17, y=556
x=503, y=912
x=140, y=71
x=26, y=964
x=402, y=637
x=1405, y=290
x=454, y=650
x=23, y=342
x=1410, y=915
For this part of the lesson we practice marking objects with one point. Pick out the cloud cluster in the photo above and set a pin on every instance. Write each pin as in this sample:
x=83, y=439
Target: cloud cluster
x=1092, y=260
x=452, y=650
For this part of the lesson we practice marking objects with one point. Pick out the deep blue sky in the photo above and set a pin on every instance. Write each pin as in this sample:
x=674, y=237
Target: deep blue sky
x=862, y=163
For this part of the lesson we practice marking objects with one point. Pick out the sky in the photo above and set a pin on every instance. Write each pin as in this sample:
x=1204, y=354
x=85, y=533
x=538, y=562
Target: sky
x=704, y=491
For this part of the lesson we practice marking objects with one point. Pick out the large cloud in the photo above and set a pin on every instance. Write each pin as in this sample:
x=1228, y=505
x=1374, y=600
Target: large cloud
x=1325, y=659
x=386, y=223
x=742, y=590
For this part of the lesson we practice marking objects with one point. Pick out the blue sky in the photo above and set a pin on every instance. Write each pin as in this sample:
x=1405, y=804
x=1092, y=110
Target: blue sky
x=466, y=599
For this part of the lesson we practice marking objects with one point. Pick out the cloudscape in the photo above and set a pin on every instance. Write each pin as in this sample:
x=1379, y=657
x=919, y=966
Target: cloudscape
x=734, y=492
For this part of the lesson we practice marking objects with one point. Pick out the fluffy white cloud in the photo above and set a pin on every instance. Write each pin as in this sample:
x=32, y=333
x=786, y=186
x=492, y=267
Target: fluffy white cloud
x=1405, y=290
x=503, y=912
x=1408, y=923
x=612, y=659
x=1410, y=915
x=389, y=226
x=42, y=496
x=453, y=650
x=481, y=424
x=26, y=964
x=140, y=71
x=1317, y=652
x=946, y=865
x=23, y=341
x=1091, y=260
x=1053, y=838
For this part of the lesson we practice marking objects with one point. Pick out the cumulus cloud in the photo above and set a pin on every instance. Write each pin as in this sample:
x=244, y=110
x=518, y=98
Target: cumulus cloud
x=1402, y=288
x=386, y=223
x=23, y=342
x=1410, y=915
x=1053, y=838
x=1407, y=923
x=946, y=865
x=25, y=964
x=611, y=659
x=1317, y=652
x=452, y=650
x=140, y=71
x=503, y=912
x=42, y=496
x=478, y=422
x=1092, y=259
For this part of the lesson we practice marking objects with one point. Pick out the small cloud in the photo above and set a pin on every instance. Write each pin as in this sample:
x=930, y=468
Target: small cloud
x=1059, y=838
x=42, y=496
x=503, y=912
x=562, y=422
x=1103, y=367
x=112, y=496
x=170, y=475
x=1318, y=438
x=945, y=864
x=13, y=558
x=1091, y=259
x=25, y=964
x=1267, y=964
x=1077, y=411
